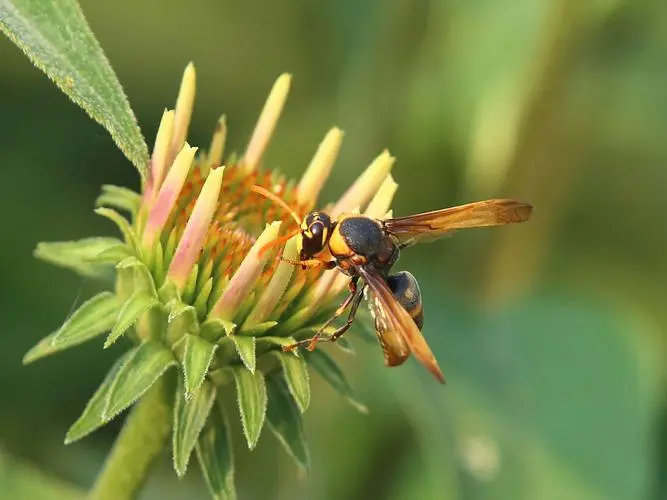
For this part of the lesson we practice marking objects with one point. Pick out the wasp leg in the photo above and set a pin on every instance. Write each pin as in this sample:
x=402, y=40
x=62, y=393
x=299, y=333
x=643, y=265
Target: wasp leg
x=341, y=330
x=310, y=263
x=339, y=312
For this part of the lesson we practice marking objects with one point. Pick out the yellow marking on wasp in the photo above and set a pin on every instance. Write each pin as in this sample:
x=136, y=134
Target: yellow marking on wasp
x=338, y=245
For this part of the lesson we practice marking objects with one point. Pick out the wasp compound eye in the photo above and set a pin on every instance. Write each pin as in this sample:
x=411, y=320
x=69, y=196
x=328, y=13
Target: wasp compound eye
x=317, y=230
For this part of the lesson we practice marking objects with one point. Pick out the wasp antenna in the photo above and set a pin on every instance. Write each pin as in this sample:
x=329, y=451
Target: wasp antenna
x=278, y=201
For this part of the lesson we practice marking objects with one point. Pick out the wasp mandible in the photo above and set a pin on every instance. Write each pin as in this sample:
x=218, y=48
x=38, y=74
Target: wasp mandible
x=366, y=248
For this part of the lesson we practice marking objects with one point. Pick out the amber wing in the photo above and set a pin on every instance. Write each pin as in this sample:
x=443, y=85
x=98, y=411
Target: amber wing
x=431, y=225
x=397, y=330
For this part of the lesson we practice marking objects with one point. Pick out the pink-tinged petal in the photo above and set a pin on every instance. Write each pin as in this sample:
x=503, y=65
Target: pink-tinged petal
x=160, y=154
x=366, y=184
x=266, y=123
x=276, y=287
x=184, y=104
x=196, y=229
x=320, y=166
x=168, y=194
x=246, y=275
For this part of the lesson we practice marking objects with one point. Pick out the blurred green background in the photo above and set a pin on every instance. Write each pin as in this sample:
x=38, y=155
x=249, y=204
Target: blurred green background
x=551, y=334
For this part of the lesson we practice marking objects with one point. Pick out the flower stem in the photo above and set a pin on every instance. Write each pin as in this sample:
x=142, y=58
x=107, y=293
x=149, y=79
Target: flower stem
x=139, y=443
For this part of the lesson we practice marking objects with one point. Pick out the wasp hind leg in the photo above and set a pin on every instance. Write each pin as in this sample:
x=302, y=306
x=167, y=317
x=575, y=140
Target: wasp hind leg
x=353, y=298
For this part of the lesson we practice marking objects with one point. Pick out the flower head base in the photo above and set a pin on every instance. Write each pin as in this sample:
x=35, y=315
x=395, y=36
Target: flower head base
x=192, y=289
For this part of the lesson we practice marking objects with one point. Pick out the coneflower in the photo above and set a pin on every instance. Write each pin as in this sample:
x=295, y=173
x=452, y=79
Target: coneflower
x=194, y=295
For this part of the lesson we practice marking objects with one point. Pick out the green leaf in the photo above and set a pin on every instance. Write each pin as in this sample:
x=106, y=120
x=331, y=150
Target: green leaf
x=57, y=39
x=142, y=368
x=92, y=417
x=284, y=420
x=215, y=455
x=345, y=345
x=332, y=373
x=295, y=372
x=189, y=418
x=138, y=303
x=95, y=317
x=197, y=357
x=245, y=348
x=79, y=256
x=251, y=398
x=120, y=198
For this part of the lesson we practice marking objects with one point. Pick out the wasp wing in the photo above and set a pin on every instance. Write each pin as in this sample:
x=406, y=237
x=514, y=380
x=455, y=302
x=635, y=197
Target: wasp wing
x=397, y=331
x=432, y=225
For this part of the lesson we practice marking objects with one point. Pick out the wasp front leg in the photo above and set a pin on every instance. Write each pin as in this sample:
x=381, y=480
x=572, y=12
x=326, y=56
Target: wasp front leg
x=310, y=263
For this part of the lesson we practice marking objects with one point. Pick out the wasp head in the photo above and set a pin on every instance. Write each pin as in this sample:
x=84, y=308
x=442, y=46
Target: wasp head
x=315, y=232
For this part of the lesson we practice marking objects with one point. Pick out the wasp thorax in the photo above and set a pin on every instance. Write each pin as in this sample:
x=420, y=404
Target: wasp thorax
x=315, y=232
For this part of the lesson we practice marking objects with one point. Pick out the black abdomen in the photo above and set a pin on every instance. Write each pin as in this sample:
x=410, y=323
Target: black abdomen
x=405, y=288
x=363, y=235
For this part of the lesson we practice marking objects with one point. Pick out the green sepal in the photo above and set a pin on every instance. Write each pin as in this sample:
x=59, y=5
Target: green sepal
x=285, y=421
x=138, y=303
x=140, y=274
x=258, y=329
x=80, y=256
x=329, y=370
x=216, y=456
x=251, y=398
x=120, y=198
x=214, y=328
x=95, y=316
x=190, y=415
x=146, y=363
x=124, y=226
x=181, y=320
x=295, y=372
x=168, y=292
x=197, y=356
x=92, y=417
x=245, y=348
x=269, y=343
x=113, y=255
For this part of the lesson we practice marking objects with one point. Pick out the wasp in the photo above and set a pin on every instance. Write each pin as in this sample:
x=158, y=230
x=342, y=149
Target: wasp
x=366, y=249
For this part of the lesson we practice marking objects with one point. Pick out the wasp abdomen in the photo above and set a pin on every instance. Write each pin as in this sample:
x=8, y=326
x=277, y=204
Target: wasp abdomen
x=405, y=288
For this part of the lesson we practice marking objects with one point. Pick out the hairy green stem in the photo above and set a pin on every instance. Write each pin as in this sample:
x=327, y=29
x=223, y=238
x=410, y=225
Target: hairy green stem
x=140, y=442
